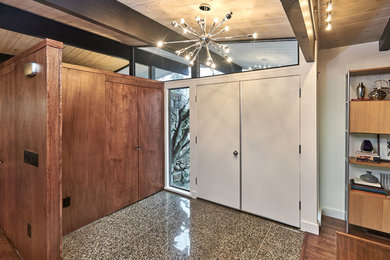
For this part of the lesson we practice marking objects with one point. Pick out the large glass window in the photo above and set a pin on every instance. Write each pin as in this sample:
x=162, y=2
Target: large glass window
x=179, y=138
x=165, y=75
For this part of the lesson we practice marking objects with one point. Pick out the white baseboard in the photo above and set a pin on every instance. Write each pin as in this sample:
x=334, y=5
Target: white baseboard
x=313, y=228
x=334, y=213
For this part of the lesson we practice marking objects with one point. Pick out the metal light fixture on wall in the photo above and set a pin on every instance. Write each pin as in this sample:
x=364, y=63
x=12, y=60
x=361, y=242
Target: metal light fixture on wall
x=205, y=38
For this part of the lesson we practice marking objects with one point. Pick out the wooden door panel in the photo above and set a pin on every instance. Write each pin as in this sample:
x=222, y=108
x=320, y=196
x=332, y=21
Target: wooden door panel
x=83, y=147
x=121, y=142
x=7, y=152
x=151, y=155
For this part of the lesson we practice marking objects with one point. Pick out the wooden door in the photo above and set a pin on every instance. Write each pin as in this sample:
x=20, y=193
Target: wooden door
x=121, y=143
x=7, y=152
x=151, y=143
x=83, y=147
x=270, y=148
x=218, y=148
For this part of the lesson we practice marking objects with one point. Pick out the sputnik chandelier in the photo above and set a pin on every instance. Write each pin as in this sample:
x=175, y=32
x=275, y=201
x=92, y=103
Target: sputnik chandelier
x=205, y=38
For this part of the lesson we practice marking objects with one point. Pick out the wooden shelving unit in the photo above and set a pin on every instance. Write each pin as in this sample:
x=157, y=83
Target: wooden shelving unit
x=364, y=119
x=382, y=164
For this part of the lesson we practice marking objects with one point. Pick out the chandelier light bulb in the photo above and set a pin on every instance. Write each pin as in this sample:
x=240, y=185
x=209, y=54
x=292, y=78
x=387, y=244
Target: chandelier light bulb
x=177, y=52
x=226, y=49
x=216, y=20
x=213, y=66
x=227, y=28
x=229, y=59
x=254, y=36
x=328, y=17
x=328, y=27
x=197, y=18
x=174, y=24
x=160, y=44
x=192, y=63
x=208, y=63
x=182, y=21
x=329, y=8
x=187, y=57
x=185, y=31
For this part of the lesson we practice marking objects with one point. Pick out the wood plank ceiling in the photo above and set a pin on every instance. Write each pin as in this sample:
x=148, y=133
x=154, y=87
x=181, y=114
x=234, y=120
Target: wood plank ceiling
x=353, y=22
x=13, y=43
x=265, y=17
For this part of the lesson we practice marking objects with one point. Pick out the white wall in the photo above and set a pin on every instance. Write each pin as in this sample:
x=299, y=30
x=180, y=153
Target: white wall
x=333, y=65
x=309, y=173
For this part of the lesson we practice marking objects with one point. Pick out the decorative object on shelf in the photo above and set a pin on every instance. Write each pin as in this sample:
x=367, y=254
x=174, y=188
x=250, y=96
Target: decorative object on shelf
x=366, y=146
x=380, y=89
x=368, y=177
x=205, y=38
x=384, y=147
x=385, y=181
x=360, y=91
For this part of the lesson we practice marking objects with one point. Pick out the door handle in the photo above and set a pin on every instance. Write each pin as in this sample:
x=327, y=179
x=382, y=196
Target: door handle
x=235, y=153
x=138, y=148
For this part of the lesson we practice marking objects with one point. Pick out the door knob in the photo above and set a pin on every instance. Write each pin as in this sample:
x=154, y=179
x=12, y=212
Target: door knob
x=138, y=148
x=1, y=162
x=235, y=153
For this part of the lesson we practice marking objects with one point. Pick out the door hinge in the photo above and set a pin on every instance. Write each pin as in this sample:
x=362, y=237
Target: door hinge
x=196, y=139
x=196, y=181
x=300, y=149
x=299, y=205
x=300, y=92
x=196, y=98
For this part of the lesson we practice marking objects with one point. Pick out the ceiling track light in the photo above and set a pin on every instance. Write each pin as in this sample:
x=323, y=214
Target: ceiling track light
x=328, y=17
x=205, y=38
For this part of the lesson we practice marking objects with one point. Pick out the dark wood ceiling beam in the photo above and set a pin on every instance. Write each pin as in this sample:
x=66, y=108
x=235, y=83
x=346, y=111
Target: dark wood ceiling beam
x=20, y=21
x=4, y=57
x=117, y=17
x=384, y=42
x=303, y=31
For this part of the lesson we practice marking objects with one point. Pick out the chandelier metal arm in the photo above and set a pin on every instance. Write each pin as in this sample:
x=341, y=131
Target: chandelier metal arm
x=218, y=48
x=233, y=37
x=184, y=41
x=191, y=30
x=206, y=38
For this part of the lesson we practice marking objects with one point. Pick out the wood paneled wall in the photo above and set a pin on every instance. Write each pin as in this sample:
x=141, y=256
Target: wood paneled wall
x=30, y=119
x=107, y=117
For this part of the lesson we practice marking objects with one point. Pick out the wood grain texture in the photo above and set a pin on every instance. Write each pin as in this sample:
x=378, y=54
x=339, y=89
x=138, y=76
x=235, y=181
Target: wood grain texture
x=121, y=165
x=382, y=164
x=353, y=22
x=8, y=211
x=54, y=153
x=370, y=117
x=355, y=248
x=151, y=140
x=323, y=246
x=83, y=147
x=369, y=210
x=7, y=251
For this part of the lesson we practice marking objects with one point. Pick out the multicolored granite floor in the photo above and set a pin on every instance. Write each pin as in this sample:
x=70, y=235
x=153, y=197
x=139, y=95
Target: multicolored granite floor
x=169, y=226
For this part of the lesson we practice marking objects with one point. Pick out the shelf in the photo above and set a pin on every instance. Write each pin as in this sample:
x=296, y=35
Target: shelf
x=382, y=164
x=372, y=71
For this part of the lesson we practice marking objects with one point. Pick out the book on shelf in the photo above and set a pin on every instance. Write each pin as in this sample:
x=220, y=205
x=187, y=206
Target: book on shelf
x=367, y=157
x=370, y=189
x=359, y=181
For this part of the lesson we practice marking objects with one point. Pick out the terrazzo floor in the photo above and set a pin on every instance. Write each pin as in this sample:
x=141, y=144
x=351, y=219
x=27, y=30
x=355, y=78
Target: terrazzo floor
x=169, y=226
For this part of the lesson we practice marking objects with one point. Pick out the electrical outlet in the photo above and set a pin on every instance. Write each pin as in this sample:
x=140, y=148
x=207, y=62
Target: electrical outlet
x=31, y=158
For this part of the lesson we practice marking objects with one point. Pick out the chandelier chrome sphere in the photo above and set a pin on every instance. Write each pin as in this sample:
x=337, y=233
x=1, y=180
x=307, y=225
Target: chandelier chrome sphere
x=205, y=38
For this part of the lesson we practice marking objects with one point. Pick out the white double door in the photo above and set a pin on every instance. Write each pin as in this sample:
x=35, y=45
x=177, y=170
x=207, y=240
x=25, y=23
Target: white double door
x=247, y=146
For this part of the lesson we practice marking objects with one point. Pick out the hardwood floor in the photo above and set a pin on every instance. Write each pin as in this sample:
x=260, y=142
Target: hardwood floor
x=7, y=252
x=323, y=246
